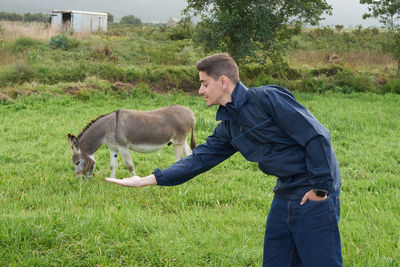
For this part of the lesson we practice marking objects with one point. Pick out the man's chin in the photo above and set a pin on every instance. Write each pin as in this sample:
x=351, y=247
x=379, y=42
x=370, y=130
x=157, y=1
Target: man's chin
x=210, y=104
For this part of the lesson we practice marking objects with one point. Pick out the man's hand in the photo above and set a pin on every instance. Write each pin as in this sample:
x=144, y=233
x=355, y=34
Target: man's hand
x=134, y=181
x=312, y=196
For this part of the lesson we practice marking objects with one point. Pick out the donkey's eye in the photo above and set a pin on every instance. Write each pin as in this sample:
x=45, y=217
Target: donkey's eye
x=77, y=163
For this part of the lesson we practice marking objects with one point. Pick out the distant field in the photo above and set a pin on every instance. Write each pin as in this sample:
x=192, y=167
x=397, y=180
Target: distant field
x=49, y=218
x=33, y=59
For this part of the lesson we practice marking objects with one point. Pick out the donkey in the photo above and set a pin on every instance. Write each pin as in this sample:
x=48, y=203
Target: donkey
x=140, y=131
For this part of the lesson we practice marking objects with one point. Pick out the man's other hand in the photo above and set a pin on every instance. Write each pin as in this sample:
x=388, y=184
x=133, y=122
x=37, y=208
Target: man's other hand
x=312, y=196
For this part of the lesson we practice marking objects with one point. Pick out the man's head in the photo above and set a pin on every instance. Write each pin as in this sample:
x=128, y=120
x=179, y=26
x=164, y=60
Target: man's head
x=219, y=64
x=218, y=76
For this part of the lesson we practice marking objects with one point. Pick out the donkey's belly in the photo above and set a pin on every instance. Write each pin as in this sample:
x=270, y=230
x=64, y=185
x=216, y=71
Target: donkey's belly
x=145, y=148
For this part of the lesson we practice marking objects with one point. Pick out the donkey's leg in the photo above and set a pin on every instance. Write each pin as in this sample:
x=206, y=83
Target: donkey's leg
x=178, y=149
x=186, y=149
x=126, y=154
x=113, y=161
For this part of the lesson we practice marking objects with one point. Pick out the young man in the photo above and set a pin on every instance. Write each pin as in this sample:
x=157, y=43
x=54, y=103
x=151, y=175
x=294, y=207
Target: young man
x=267, y=125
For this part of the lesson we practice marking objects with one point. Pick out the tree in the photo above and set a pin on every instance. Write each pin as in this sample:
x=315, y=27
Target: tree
x=131, y=19
x=253, y=28
x=339, y=28
x=388, y=13
x=36, y=17
x=110, y=18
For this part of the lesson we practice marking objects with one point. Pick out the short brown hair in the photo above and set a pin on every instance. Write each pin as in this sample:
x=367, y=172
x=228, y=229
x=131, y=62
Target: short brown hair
x=219, y=64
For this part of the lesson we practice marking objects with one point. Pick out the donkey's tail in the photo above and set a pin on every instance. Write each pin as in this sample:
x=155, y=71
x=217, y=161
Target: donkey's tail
x=192, y=140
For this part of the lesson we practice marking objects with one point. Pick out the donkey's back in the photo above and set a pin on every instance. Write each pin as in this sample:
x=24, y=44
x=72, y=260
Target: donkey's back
x=170, y=124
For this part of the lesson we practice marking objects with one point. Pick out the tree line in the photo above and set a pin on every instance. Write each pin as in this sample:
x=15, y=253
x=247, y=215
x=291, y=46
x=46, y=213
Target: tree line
x=46, y=18
x=28, y=17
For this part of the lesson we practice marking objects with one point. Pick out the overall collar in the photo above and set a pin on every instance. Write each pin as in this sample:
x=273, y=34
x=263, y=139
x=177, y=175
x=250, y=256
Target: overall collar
x=231, y=110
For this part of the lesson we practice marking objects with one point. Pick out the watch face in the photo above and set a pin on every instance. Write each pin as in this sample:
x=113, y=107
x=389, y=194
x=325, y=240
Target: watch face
x=320, y=192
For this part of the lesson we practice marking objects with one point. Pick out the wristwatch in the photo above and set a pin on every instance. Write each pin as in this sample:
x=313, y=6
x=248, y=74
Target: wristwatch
x=320, y=192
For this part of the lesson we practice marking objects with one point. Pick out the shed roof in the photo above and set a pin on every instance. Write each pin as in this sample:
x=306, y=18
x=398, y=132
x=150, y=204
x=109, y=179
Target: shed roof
x=77, y=11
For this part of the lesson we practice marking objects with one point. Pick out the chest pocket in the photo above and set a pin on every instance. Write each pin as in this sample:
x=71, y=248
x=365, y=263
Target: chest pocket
x=262, y=133
x=255, y=141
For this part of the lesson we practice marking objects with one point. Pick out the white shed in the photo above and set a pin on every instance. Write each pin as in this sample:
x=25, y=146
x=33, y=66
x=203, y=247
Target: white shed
x=78, y=21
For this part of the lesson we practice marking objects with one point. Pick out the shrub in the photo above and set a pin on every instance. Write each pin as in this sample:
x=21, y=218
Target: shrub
x=350, y=80
x=313, y=84
x=18, y=74
x=21, y=44
x=184, y=30
x=328, y=71
x=133, y=75
x=252, y=71
x=63, y=42
x=392, y=86
x=178, y=33
x=73, y=73
x=131, y=19
x=109, y=71
x=265, y=80
x=140, y=89
x=47, y=75
x=104, y=53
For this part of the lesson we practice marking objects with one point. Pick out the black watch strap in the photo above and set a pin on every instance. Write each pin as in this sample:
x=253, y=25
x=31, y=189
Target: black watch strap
x=320, y=192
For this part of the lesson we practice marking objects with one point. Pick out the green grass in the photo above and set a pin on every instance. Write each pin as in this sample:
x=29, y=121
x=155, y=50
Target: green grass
x=49, y=218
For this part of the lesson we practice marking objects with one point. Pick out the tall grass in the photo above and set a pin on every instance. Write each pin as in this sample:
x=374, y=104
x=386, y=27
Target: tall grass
x=49, y=218
x=357, y=49
x=37, y=30
x=376, y=62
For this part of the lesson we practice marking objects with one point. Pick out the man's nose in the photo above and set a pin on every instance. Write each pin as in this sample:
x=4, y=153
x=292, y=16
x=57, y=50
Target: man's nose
x=201, y=91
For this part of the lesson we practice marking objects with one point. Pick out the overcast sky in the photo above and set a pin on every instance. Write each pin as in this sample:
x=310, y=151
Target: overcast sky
x=345, y=12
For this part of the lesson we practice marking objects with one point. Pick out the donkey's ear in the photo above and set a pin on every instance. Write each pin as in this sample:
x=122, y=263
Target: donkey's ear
x=73, y=142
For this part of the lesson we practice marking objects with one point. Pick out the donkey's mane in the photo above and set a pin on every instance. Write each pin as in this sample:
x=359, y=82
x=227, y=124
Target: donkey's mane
x=91, y=123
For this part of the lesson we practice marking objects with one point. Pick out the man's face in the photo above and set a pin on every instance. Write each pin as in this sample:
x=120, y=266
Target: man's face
x=210, y=89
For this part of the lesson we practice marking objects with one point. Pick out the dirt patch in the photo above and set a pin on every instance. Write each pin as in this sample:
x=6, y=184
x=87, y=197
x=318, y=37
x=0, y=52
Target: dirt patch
x=333, y=58
x=92, y=86
x=123, y=87
x=188, y=87
x=5, y=98
x=26, y=92
x=11, y=93
x=72, y=90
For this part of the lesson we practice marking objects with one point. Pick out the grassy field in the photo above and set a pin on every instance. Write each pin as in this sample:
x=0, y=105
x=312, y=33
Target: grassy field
x=49, y=218
x=51, y=86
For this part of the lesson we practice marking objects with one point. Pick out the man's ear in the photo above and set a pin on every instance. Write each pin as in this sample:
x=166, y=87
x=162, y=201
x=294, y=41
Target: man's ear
x=74, y=143
x=224, y=81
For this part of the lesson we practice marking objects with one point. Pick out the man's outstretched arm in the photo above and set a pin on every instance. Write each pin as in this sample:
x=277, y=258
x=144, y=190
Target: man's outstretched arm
x=216, y=149
x=134, y=181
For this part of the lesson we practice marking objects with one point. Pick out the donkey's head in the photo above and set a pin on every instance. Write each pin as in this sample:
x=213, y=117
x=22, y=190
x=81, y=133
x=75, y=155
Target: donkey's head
x=83, y=164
